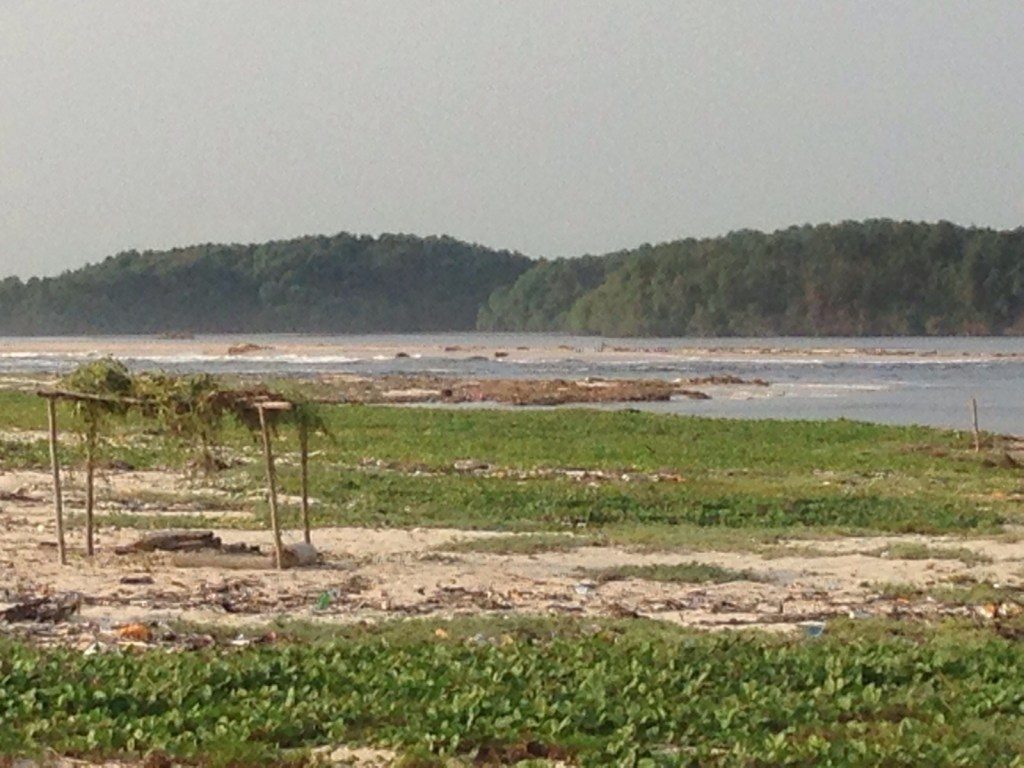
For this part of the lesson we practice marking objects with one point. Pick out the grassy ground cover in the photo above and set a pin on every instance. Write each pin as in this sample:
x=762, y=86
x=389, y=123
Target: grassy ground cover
x=601, y=694
x=483, y=690
x=396, y=466
x=915, y=551
x=681, y=573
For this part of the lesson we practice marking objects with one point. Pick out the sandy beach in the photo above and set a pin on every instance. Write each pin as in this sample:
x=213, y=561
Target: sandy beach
x=371, y=575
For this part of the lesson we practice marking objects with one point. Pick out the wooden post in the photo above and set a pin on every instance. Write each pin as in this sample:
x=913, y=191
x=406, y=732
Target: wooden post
x=58, y=496
x=974, y=423
x=271, y=488
x=90, y=471
x=304, y=464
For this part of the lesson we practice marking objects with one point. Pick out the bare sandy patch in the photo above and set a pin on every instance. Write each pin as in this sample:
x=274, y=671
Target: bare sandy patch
x=369, y=575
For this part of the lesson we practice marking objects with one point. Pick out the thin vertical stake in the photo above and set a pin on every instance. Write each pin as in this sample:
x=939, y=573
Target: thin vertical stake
x=90, y=471
x=271, y=488
x=974, y=422
x=58, y=496
x=304, y=463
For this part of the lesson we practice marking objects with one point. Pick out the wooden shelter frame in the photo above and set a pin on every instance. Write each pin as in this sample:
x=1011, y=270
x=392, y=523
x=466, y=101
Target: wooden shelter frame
x=260, y=405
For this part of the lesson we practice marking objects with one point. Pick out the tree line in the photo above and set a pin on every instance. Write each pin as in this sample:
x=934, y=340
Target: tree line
x=339, y=284
x=876, y=277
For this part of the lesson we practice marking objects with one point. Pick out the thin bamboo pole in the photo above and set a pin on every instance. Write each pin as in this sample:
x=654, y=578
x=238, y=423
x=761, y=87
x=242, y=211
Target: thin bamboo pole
x=304, y=464
x=90, y=495
x=974, y=423
x=58, y=496
x=268, y=454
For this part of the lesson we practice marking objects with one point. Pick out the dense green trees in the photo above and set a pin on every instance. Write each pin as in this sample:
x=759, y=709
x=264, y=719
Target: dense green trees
x=329, y=284
x=853, y=278
x=856, y=278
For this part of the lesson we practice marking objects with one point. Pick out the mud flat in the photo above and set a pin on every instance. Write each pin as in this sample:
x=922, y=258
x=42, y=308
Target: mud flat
x=434, y=389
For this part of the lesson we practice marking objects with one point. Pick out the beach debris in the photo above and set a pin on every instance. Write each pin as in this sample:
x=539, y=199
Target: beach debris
x=136, y=578
x=998, y=610
x=476, y=466
x=245, y=349
x=814, y=628
x=299, y=554
x=19, y=495
x=497, y=752
x=135, y=632
x=622, y=611
x=156, y=758
x=241, y=548
x=50, y=608
x=470, y=465
x=172, y=541
x=585, y=588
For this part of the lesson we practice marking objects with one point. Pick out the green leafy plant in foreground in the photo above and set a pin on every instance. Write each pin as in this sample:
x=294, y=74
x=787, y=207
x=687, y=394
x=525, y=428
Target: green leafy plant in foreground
x=608, y=694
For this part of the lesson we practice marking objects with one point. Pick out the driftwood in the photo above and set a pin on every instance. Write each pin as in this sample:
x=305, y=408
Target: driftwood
x=173, y=541
x=240, y=549
x=44, y=609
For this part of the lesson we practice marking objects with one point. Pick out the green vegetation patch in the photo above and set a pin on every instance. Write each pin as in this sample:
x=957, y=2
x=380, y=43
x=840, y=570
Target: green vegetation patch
x=750, y=477
x=683, y=573
x=360, y=498
x=916, y=551
x=524, y=544
x=602, y=693
x=962, y=592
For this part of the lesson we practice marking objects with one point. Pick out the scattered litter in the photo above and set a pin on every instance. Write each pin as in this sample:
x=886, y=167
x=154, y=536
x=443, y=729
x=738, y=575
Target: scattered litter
x=139, y=633
x=20, y=495
x=50, y=609
x=585, y=588
x=470, y=465
x=241, y=548
x=814, y=628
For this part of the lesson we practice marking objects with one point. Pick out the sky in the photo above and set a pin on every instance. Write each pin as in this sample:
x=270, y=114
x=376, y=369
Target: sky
x=550, y=128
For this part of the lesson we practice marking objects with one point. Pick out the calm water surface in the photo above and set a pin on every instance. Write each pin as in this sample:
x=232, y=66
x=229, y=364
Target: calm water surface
x=890, y=380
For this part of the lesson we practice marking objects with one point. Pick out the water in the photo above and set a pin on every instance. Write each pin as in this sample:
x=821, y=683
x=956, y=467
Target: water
x=890, y=380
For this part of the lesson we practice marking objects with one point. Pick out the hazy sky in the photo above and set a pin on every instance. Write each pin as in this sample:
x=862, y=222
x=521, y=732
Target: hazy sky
x=552, y=127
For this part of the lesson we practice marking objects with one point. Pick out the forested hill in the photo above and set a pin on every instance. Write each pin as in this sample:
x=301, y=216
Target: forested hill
x=876, y=277
x=343, y=283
